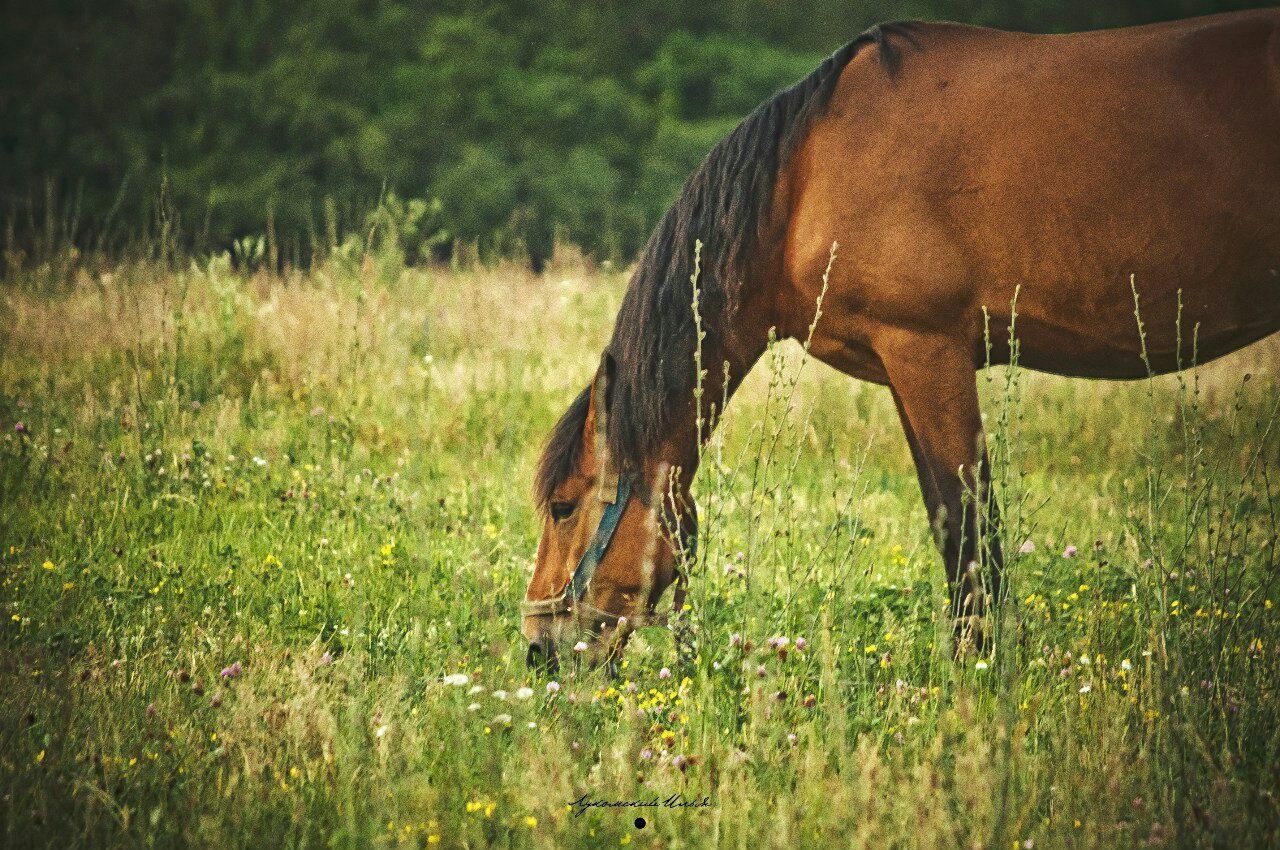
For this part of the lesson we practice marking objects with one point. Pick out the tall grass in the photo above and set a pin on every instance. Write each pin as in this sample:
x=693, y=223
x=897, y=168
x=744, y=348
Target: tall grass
x=323, y=476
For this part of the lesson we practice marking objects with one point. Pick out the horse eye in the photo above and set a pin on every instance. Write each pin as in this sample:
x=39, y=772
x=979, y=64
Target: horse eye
x=562, y=510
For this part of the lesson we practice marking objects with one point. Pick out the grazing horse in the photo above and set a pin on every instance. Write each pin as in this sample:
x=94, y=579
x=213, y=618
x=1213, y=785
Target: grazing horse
x=955, y=166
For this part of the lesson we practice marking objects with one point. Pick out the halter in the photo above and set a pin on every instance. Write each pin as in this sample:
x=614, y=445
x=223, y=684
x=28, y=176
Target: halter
x=572, y=600
x=615, y=492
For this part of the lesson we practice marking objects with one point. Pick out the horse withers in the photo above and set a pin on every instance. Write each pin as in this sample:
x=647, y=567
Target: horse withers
x=954, y=166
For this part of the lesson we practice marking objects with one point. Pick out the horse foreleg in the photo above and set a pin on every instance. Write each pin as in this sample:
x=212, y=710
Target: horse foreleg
x=935, y=391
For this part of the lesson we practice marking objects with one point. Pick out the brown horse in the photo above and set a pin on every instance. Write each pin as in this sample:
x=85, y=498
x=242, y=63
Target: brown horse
x=953, y=165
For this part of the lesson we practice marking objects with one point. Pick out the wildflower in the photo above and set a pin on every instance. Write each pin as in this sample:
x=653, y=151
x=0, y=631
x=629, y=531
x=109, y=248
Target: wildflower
x=326, y=659
x=1028, y=546
x=475, y=706
x=810, y=701
x=476, y=689
x=1084, y=659
x=1069, y=552
x=981, y=665
x=801, y=643
x=761, y=671
x=1126, y=666
x=20, y=428
x=216, y=699
x=1086, y=688
x=735, y=639
x=580, y=646
x=502, y=720
x=664, y=673
x=259, y=461
x=500, y=694
x=381, y=731
x=231, y=672
x=531, y=822
x=791, y=738
x=525, y=693
x=680, y=762
x=151, y=709
x=646, y=754
x=1028, y=845
x=458, y=680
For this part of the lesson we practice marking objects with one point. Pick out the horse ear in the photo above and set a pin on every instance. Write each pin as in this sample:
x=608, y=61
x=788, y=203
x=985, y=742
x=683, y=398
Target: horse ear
x=600, y=386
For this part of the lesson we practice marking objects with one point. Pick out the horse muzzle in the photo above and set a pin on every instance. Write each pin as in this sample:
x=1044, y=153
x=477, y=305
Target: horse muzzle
x=542, y=656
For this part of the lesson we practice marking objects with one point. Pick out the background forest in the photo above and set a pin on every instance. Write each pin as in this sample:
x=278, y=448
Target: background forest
x=501, y=126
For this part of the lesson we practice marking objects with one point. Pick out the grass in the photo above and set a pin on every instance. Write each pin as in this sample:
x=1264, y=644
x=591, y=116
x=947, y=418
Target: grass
x=323, y=478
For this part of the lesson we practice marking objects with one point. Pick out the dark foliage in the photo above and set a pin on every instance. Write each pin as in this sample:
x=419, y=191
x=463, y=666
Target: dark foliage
x=513, y=123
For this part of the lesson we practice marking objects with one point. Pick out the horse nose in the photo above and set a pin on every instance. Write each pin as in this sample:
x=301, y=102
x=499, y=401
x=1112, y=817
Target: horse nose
x=542, y=656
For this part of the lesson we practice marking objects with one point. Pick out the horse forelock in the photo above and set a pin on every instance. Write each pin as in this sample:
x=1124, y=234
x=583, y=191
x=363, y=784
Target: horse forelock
x=563, y=450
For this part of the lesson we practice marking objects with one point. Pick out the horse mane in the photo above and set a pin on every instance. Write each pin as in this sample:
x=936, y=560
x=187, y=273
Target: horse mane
x=725, y=204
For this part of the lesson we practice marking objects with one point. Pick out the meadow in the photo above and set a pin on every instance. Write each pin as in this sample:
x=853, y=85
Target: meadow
x=264, y=534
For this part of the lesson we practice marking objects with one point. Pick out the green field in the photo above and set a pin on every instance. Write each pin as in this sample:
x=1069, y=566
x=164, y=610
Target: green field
x=251, y=522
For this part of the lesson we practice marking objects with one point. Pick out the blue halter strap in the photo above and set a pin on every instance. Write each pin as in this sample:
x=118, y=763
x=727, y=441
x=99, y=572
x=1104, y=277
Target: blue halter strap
x=576, y=588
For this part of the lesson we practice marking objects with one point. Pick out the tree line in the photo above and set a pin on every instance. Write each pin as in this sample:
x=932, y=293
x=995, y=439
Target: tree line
x=505, y=126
